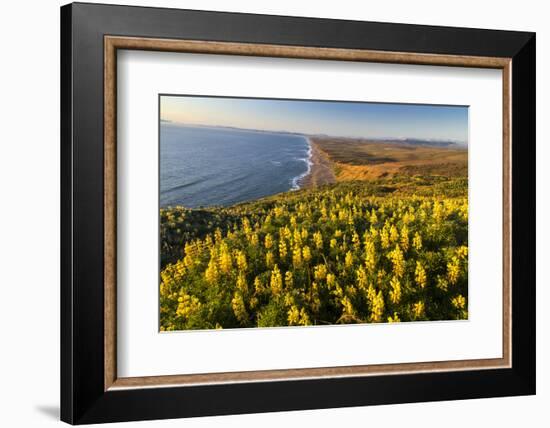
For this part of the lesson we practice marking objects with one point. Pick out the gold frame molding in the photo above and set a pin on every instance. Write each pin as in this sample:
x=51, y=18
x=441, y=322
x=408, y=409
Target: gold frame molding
x=113, y=43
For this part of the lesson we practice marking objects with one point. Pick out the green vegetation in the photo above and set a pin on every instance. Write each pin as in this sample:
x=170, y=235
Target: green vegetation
x=383, y=250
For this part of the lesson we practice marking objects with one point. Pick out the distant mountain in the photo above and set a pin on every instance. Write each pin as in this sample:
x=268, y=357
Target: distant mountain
x=431, y=143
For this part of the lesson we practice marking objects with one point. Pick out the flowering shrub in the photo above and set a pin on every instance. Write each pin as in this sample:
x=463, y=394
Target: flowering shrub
x=346, y=253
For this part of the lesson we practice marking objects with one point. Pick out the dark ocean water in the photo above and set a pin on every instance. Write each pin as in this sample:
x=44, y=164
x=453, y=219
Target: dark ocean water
x=202, y=166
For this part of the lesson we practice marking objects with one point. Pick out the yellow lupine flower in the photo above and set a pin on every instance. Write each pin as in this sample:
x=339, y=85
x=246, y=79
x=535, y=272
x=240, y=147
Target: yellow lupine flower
x=373, y=231
x=297, y=238
x=320, y=272
x=371, y=293
x=306, y=254
x=211, y=274
x=377, y=307
x=282, y=249
x=225, y=260
x=254, y=239
x=239, y=308
x=384, y=238
x=459, y=302
x=258, y=286
x=398, y=261
x=373, y=217
x=297, y=257
x=289, y=280
x=318, y=240
x=394, y=234
x=361, y=278
x=395, y=292
x=188, y=260
x=453, y=270
x=304, y=317
x=347, y=306
x=164, y=290
x=187, y=306
x=420, y=274
x=462, y=252
x=241, y=260
x=405, y=238
x=285, y=233
x=355, y=240
x=288, y=299
x=276, y=280
x=418, y=309
x=442, y=283
x=293, y=316
x=246, y=226
x=241, y=283
x=268, y=241
x=417, y=242
x=349, y=259
x=278, y=211
x=342, y=214
x=370, y=255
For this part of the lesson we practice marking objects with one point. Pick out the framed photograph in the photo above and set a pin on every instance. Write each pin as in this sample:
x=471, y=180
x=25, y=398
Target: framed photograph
x=265, y=213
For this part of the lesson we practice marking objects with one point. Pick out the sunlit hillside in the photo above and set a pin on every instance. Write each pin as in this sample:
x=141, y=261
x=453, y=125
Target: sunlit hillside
x=382, y=250
x=368, y=160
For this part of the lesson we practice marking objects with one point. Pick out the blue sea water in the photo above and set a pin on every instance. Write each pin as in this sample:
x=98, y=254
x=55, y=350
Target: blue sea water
x=202, y=166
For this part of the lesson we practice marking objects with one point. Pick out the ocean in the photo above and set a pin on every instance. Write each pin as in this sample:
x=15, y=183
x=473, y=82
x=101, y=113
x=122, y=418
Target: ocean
x=208, y=166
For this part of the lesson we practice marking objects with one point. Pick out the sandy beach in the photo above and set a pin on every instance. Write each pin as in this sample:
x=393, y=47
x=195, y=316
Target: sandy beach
x=321, y=169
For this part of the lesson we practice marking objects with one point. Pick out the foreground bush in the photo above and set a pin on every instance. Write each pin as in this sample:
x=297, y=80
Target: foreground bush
x=349, y=253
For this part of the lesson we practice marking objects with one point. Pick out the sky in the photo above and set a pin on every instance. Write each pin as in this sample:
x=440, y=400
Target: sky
x=335, y=118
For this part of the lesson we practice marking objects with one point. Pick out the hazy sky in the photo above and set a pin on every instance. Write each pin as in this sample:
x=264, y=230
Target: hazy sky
x=346, y=119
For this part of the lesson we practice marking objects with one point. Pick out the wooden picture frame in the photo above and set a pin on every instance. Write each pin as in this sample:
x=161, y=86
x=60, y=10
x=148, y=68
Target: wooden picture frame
x=91, y=390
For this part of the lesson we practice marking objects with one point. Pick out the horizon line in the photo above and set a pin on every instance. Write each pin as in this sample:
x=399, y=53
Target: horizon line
x=389, y=138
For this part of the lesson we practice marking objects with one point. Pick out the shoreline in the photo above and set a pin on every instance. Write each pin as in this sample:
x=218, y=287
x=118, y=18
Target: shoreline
x=320, y=170
x=297, y=181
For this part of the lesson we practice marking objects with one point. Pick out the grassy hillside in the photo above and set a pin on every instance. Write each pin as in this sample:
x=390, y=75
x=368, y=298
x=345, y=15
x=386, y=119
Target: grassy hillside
x=384, y=250
x=368, y=160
